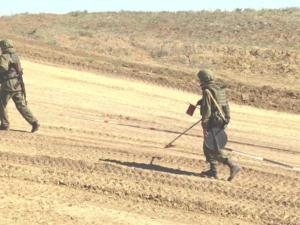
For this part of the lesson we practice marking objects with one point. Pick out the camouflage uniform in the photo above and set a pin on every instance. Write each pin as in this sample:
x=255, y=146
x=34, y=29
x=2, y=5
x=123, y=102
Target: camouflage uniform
x=10, y=70
x=211, y=118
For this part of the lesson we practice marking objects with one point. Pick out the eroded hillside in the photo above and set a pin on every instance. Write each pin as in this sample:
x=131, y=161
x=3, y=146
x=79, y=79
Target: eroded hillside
x=256, y=54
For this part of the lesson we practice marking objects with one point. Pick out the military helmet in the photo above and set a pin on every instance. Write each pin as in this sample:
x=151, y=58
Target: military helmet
x=205, y=75
x=6, y=44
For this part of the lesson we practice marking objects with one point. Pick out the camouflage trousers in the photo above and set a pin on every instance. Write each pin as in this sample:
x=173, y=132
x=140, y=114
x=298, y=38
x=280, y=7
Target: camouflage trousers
x=19, y=101
x=214, y=156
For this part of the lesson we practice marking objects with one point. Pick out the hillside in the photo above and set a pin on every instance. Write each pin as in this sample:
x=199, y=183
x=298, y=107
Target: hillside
x=255, y=54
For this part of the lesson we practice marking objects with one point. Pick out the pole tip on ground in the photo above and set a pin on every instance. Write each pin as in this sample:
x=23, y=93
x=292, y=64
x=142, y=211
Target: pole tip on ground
x=169, y=146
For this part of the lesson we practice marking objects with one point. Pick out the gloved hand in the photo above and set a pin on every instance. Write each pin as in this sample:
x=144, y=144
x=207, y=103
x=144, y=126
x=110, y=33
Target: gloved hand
x=226, y=123
x=227, y=120
x=199, y=102
x=205, y=133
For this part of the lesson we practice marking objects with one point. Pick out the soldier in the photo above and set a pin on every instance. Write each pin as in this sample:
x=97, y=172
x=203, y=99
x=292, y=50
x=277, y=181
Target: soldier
x=211, y=118
x=11, y=86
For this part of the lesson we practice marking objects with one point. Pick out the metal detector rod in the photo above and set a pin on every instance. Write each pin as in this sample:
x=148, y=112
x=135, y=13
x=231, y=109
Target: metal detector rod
x=170, y=144
x=263, y=159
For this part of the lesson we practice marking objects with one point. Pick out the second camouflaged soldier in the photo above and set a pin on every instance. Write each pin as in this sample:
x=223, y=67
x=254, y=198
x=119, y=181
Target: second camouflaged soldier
x=10, y=79
x=211, y=119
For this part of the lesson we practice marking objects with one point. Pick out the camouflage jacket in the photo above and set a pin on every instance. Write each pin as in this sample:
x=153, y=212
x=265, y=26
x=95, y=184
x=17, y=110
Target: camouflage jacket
x=209, y=112
x=10, y=70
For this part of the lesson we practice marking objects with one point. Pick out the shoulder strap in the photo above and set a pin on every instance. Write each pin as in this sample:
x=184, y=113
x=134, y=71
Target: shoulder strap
x=216, y=103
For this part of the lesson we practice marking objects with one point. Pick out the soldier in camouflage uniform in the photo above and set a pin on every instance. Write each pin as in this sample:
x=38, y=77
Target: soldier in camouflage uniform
x=211, y=118
x=10, y=72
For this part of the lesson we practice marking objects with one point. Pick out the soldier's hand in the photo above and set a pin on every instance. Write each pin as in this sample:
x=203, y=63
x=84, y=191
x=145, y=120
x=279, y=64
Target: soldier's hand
x=205, y=133
x=227, y=120
x=199, y=102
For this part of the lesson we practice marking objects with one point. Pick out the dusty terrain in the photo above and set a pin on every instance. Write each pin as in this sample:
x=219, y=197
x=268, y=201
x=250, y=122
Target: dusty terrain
x=90, y=161
x=256, y=54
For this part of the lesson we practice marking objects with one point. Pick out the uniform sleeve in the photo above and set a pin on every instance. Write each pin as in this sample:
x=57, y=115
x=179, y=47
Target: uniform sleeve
x=17, y=64
x=226, y=110
x=4, y=62
x=1, y=59
x=205, y=109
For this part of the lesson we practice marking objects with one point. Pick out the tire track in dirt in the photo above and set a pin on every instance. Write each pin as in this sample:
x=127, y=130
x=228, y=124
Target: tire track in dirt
x=105, y=160
x=64, y=142
x=77, y=174
x=94, y=141
x=154, y=127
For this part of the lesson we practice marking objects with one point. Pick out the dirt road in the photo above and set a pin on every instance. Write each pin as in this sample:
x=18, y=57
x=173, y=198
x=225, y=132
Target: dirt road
x=90, y=161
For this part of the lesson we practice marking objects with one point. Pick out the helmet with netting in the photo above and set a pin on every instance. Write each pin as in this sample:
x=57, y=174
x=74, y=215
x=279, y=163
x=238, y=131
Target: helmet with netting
x=4, y=44
x=205, y=75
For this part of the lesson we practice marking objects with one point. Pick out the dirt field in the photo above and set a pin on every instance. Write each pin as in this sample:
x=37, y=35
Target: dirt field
x=90, y=161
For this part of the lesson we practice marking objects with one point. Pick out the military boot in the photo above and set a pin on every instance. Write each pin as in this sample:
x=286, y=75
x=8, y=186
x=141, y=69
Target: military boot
x=211, y=173
x=234, y=169
x=3, y=127
x=35, y=126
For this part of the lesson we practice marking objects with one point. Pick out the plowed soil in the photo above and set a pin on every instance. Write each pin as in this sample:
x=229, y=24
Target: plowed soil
x=92, y=160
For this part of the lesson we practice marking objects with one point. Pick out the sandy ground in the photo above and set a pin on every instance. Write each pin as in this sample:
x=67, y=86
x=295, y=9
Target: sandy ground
x=90, y=161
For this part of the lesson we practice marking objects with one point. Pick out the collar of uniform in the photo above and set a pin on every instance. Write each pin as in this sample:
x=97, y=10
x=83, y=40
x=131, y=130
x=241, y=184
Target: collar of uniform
x=207, y=85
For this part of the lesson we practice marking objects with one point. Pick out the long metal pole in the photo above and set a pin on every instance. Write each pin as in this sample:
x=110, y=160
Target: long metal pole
x=170, y=144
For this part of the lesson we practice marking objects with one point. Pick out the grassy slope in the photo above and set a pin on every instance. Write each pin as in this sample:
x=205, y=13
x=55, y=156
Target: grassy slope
x=254, y=53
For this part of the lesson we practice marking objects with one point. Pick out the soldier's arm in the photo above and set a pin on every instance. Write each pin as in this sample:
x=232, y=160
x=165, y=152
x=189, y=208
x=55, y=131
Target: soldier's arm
x=199, y=102
x=17, y=65
x=226, y=110
x=205, y=110
x=2, y=58
x=4, y=62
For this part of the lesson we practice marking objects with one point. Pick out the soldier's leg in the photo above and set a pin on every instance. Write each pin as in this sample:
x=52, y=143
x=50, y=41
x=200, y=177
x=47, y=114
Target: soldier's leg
x=234, y=168
x=221, y=156
x=22, y=108
x=4, y=98
x=210, y=158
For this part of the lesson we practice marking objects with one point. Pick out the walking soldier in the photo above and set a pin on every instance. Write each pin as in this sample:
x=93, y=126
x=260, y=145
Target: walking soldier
x=215, y=116
x=12, y=86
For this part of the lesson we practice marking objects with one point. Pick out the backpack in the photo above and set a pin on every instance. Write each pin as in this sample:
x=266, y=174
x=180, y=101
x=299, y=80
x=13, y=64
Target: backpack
x=221, y=114
x=5, y=63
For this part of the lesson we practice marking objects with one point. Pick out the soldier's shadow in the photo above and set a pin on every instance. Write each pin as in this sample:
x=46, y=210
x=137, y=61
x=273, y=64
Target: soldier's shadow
x=151, y=167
